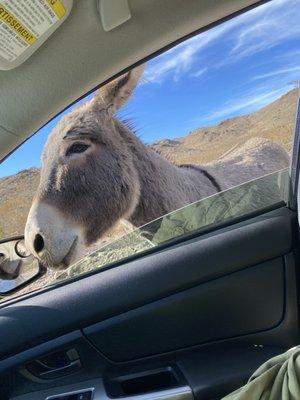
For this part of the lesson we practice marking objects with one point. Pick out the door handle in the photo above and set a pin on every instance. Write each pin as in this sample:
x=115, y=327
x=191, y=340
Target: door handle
x=53, y=366
x=54, y=373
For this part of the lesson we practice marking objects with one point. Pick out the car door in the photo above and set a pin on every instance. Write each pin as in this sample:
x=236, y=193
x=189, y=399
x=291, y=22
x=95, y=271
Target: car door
x=185, y=307
x=191, y=319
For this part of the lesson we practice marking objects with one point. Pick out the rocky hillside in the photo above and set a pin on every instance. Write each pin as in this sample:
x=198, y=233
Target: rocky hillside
x=275, y=121
x=16, y=193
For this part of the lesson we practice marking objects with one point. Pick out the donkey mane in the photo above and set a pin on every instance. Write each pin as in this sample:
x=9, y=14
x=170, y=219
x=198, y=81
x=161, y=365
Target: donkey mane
x=204, y=172
x=164, y=186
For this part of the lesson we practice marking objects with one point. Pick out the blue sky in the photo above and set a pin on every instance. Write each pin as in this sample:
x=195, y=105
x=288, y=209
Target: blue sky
x=230, y=70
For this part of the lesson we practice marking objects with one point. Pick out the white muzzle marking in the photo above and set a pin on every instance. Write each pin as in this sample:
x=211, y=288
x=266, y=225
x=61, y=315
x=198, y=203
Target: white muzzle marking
x=57, y=236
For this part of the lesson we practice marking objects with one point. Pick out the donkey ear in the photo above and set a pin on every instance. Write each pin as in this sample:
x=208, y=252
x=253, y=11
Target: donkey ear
x=116, y=93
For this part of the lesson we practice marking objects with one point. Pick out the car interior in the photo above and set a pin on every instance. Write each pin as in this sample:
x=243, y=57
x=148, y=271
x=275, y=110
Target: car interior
x=191, y=320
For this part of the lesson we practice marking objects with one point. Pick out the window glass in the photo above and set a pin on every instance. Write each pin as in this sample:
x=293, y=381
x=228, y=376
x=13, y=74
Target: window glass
x=238, y=201
x=200, y=135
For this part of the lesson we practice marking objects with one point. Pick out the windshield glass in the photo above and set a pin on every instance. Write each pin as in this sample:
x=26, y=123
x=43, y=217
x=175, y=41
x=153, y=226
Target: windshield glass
x=221, y=207
x=197, y=137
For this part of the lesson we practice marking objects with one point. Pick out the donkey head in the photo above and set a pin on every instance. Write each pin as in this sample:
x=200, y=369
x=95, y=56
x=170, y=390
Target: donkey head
x=88, y=178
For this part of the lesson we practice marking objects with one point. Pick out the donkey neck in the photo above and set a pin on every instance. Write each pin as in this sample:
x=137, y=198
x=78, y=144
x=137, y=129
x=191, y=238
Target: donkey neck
x=164, y=187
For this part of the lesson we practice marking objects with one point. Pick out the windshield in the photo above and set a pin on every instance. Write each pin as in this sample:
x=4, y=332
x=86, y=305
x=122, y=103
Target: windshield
x=198, y=137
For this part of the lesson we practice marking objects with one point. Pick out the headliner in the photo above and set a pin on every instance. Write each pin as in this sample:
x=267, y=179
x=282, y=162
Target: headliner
x=80, y=56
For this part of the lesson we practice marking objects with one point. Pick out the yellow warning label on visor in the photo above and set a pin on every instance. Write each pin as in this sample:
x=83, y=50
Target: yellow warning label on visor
x=24, y=24
x=57, y=7
x=16, y=25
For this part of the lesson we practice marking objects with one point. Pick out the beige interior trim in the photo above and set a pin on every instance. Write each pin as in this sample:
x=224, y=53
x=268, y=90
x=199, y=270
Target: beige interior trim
x=80, y=55
x=113, y=13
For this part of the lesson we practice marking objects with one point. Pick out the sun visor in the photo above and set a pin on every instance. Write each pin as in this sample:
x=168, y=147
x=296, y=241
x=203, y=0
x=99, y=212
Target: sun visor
x=25, y=25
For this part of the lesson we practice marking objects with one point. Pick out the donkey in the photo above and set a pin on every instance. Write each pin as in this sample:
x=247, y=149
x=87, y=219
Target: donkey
x=95, y=172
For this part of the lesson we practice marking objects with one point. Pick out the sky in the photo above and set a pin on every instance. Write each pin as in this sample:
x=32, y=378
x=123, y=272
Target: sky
x=233, y=69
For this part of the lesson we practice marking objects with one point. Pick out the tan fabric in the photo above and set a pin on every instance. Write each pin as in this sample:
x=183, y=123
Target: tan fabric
x=276, y=379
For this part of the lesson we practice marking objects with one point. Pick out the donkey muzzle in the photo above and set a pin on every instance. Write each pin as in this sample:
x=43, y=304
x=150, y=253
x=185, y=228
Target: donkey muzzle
x=51, y=237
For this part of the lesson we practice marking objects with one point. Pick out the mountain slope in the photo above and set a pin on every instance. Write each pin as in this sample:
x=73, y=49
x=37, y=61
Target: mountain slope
x=16, y=193
x=275, y=122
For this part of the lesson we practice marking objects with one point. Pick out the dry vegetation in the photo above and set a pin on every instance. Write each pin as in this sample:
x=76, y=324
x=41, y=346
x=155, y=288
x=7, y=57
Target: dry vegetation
x=16, y=193
x=275, y=121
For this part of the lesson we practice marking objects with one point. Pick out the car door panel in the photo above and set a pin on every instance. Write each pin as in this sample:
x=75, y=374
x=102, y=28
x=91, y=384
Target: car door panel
x=210, y=299
x=205, y=313
x=100, y=296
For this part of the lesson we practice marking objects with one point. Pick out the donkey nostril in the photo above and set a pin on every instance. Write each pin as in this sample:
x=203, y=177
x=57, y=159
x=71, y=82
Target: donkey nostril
x=38, y=243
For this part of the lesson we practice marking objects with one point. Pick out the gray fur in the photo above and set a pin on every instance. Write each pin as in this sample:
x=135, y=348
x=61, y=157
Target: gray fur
x=120, y=177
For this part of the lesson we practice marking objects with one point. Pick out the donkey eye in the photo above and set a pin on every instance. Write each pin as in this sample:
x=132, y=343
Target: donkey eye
x=77, y=148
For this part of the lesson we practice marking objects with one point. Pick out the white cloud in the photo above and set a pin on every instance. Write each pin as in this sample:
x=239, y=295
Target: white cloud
x=289, y=73
x=290, y=55
x=178, y=60
x=181, y=58
x=259, y=29
x=199, y=73
x=263, y=28
x=246, y=104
